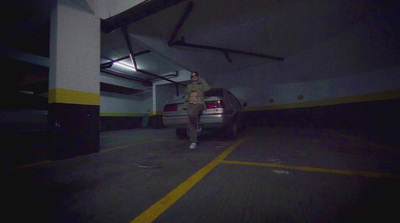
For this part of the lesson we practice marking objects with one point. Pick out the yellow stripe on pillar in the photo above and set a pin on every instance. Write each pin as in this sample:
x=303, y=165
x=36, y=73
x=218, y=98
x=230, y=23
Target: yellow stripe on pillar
x=66, y=96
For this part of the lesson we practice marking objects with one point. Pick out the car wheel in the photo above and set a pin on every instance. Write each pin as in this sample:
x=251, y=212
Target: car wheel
x=181, y=133
x=232, y=131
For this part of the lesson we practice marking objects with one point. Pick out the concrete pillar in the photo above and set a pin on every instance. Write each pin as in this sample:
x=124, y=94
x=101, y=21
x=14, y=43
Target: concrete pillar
x=74, y=82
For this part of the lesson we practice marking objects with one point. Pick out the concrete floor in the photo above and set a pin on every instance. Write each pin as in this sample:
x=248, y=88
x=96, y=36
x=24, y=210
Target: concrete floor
x=267, y=175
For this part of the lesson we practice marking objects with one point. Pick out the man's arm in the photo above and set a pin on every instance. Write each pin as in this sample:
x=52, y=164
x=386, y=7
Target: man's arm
x=186, y=93
x=206, y=87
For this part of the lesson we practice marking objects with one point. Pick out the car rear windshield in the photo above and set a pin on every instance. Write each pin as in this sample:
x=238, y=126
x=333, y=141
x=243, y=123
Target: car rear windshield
x=214, y=92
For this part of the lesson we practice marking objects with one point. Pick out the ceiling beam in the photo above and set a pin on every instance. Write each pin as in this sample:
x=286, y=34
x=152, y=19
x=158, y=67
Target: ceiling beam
x=225, y=51
x=136, y=13
x=125, y=76
x=135, y=55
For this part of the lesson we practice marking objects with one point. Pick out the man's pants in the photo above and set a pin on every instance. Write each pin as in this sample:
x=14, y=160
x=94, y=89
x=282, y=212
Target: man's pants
x=193, y=112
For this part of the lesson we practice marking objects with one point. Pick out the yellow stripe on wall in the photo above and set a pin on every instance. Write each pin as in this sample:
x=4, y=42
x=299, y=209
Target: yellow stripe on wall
x=379, y=96
x=157, y=113
x=110, y=114
x=66, y=96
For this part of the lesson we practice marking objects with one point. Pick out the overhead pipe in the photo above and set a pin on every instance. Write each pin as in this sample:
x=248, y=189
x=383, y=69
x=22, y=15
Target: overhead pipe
x=106, y=65
x=110, y=63
x=224, y=50
x=161, y=77
x=128, y=42
x=227, y=56
x=135, y=55
x=171, y=75
x=122, y=75
x=182, y=20
x=167, y=75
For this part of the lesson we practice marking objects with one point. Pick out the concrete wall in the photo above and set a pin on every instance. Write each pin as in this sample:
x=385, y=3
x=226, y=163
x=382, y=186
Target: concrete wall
x=120, y=104
x=122, y=111
x=361, y=60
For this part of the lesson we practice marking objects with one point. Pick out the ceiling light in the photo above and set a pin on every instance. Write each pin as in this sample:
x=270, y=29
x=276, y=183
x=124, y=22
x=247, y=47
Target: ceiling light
x=125, y=66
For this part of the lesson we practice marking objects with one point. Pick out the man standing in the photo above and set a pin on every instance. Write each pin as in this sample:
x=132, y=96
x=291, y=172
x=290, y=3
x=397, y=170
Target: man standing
x=194, y=104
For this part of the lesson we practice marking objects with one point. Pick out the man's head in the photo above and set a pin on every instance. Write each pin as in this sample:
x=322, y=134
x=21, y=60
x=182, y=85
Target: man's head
x=194, y=76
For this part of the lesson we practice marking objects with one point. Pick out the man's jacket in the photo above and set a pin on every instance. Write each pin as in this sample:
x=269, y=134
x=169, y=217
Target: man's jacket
x=200, y=87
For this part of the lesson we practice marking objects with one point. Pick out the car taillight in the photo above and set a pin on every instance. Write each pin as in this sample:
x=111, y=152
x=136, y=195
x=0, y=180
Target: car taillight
x=215, y=104
x=170, y=107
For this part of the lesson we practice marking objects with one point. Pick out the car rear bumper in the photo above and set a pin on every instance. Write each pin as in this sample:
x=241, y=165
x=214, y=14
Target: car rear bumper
x=208, y=121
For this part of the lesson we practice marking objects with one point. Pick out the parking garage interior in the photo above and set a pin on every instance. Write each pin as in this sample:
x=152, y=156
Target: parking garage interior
x=84, y=83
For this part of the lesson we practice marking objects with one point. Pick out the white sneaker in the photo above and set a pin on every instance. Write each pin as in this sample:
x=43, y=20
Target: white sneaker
x=192, y=145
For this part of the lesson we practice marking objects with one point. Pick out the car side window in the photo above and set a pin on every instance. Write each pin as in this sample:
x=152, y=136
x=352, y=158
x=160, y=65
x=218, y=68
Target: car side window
x=238, y=105
x=235, y=102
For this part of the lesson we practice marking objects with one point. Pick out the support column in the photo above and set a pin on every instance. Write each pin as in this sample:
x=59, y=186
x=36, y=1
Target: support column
x=74, y=82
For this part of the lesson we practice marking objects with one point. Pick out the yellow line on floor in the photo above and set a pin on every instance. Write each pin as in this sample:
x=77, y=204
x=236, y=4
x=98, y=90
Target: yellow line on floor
x=128, y=145
x=31, y=165
x=135, y=144
x=160, y=206
x=315, y=169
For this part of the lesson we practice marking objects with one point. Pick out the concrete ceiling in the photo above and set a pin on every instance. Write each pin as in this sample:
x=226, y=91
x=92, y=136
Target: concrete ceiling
x=277, y=29
x=273, y=30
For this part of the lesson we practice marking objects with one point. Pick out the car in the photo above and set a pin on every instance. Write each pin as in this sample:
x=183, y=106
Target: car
x=223, y=111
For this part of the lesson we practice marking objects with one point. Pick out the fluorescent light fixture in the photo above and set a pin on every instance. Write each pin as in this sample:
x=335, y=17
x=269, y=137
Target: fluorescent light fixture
x=124, y=65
